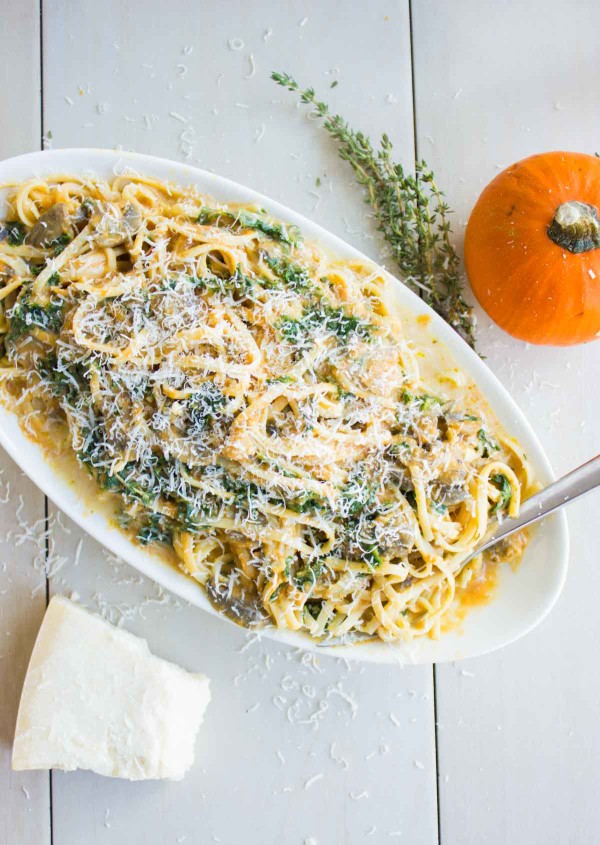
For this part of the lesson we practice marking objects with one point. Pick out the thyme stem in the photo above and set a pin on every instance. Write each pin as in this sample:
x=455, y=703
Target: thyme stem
x=410, y=211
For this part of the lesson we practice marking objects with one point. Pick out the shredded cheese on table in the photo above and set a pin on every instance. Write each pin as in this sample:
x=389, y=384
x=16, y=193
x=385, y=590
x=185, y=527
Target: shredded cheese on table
x=251, y=403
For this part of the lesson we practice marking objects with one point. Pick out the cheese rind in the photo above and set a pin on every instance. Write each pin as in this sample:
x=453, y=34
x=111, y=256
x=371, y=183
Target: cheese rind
x=95, y=698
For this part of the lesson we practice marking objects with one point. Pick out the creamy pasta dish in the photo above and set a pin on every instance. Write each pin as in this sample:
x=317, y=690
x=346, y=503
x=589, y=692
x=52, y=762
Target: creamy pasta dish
x=253, y=406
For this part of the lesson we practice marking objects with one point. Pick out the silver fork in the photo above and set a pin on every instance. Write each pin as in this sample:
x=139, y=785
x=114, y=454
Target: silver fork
x=558, y=494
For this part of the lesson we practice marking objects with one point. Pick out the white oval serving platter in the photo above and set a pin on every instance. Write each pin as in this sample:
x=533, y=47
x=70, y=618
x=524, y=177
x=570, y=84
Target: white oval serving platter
x=522, y=598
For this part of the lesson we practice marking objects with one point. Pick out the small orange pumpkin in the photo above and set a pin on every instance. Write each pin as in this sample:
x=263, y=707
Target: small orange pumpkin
x=532, y=249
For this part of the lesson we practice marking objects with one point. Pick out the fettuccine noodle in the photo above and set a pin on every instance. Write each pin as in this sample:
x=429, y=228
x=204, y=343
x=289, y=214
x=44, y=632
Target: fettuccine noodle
x=254, y=405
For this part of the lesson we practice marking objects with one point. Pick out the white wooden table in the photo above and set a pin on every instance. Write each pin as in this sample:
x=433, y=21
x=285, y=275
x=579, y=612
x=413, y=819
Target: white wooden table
x=503, y=749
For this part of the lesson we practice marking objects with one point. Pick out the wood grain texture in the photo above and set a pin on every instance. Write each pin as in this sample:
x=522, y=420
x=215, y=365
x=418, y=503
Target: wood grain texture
x=24, y=796
x=125, y=84
x=518, y=731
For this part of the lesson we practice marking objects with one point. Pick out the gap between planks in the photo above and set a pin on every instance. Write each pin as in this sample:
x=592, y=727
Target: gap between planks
x=46, y=503
x=433, y=668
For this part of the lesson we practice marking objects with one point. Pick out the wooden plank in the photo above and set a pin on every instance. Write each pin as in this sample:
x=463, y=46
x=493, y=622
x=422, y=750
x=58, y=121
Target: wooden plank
x=24, y=796
x=518, y=731
x=159, y=96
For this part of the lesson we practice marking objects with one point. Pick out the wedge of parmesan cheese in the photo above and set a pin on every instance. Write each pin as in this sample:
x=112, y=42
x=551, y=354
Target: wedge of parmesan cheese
x=96, y=698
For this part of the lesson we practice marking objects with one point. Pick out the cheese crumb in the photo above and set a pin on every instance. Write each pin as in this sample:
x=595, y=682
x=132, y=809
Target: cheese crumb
x=313, y=780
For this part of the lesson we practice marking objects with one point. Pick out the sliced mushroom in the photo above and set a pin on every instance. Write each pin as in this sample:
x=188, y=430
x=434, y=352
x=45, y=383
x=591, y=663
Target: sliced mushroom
x=239, y=605
x=402, y=478
x=499, y=552
x=392, y=533
x=132, y=217
x=449, y=494
x=84, y=211
x=507, y=549
x=112, y=226
x=50, y=226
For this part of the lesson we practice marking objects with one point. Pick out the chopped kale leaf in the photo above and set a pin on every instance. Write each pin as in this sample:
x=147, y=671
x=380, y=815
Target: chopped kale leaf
x=24, y=316
x=252, y=220
x=487, y=445
x=292, y=275
x=15, y=232
x=336, y=321
x=505, y=492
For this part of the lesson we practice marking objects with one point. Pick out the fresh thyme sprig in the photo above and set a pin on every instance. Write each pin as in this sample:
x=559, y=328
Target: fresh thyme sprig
x=410, y=211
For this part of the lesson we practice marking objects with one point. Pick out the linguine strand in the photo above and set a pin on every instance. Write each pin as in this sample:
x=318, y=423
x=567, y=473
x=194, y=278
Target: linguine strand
x=253, y=405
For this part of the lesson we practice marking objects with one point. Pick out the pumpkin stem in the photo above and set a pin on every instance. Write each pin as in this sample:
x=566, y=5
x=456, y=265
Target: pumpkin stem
x=575, y=227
